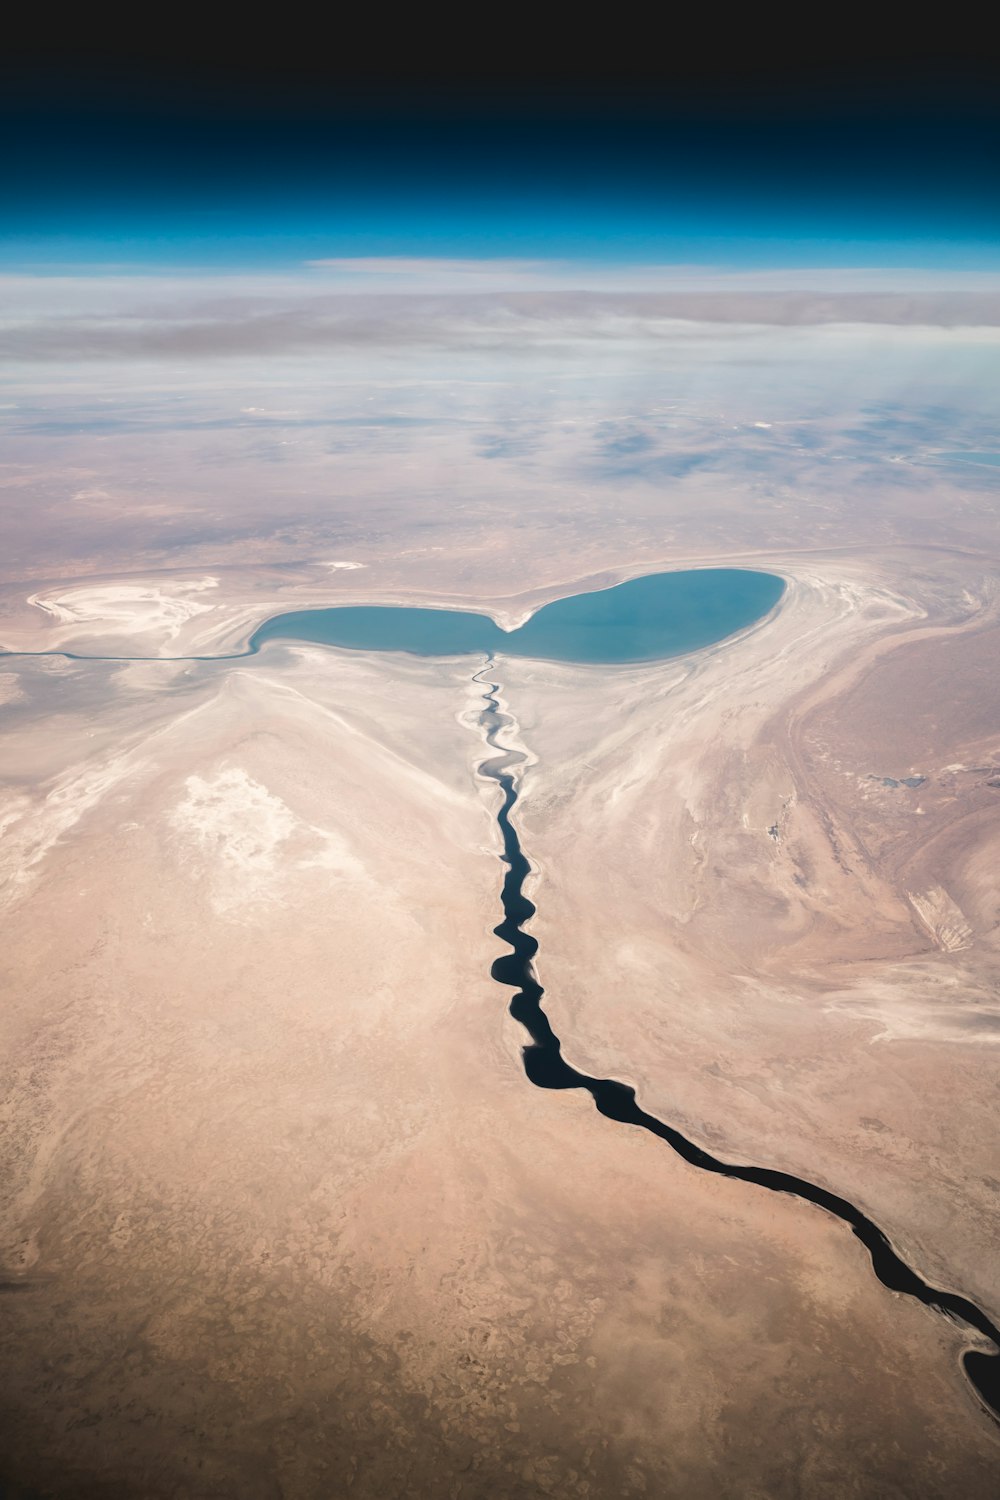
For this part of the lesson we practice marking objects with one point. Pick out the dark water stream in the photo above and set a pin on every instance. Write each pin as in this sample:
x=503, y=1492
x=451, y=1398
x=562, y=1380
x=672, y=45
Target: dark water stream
x=547, y=1068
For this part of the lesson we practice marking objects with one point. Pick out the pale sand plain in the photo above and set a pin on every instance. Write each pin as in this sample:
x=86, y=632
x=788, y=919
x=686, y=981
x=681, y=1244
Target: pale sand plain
x=285, y=1217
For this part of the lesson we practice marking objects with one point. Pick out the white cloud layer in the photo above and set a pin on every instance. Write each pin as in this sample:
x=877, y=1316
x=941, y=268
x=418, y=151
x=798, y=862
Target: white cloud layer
x=407, y=303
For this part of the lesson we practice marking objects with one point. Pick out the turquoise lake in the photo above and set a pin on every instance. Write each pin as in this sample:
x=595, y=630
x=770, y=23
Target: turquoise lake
x=646, y=619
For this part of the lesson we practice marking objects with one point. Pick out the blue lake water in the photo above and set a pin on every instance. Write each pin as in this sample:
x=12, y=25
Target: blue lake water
x=646, y=619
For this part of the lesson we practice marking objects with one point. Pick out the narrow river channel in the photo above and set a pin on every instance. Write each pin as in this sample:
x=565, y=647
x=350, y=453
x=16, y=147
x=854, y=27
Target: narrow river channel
x=546, y=1067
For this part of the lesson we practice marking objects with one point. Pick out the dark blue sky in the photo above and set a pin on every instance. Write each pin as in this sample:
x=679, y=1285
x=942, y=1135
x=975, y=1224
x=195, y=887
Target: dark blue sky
x=203, y=162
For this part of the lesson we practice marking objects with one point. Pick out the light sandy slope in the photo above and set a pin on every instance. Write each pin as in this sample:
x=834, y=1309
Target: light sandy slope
x=286, y=1217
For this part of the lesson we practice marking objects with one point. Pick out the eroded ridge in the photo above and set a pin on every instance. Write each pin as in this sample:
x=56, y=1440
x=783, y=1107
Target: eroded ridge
x=546, y=1067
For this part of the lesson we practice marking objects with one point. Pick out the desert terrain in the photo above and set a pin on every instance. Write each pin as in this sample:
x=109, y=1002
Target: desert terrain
x=282, y=1215
x=285, y=1216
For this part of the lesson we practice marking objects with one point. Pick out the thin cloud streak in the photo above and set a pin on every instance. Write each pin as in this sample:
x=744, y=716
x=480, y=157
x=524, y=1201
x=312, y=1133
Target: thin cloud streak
x=419, y=273
x=142, y=318
x=419, y=265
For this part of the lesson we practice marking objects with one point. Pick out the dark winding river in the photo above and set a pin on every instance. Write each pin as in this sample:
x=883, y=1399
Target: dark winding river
x=548, y=1069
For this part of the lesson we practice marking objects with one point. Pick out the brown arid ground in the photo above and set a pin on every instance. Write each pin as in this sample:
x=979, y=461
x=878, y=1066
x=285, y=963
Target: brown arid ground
x=285, y=1219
